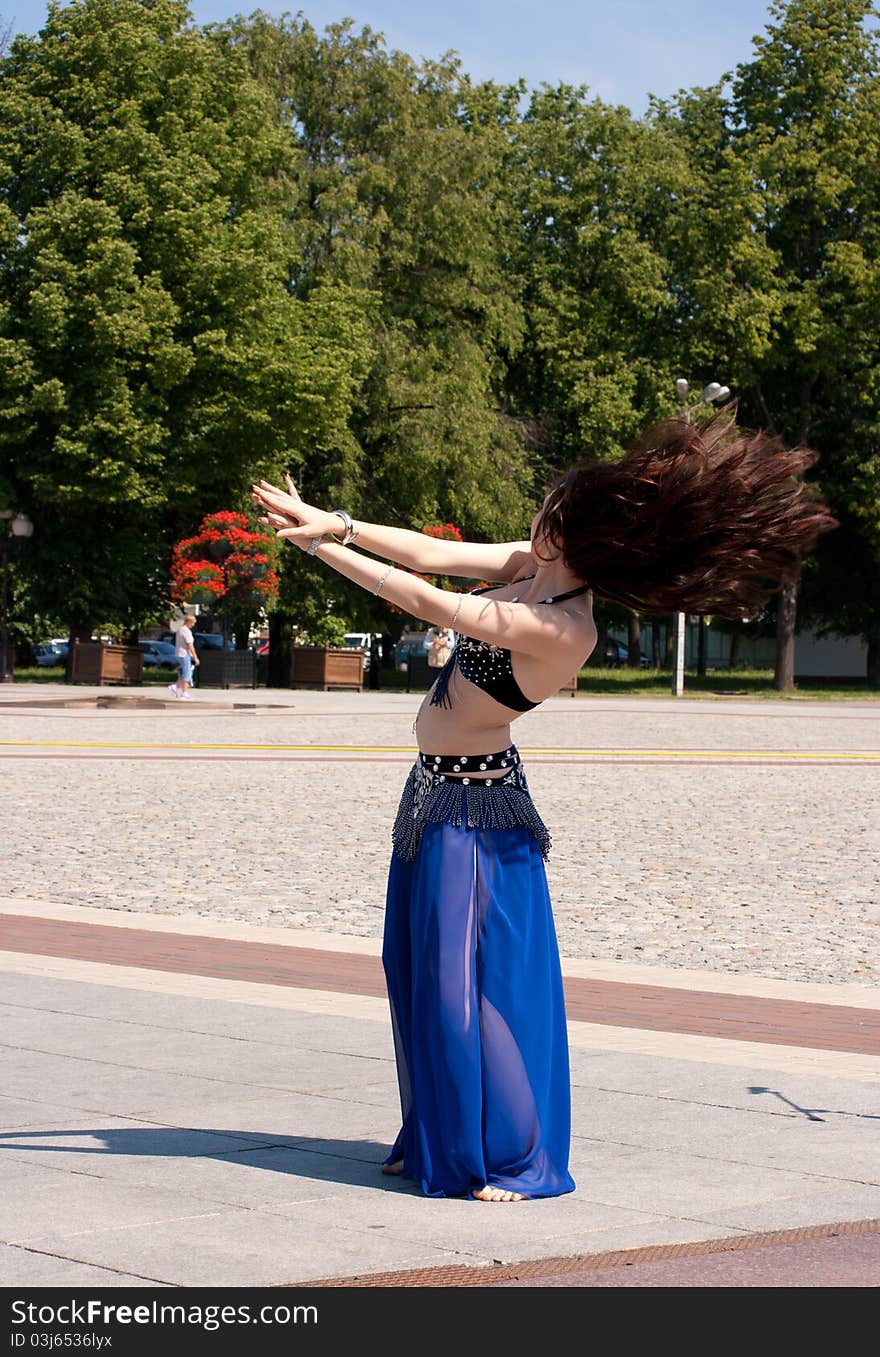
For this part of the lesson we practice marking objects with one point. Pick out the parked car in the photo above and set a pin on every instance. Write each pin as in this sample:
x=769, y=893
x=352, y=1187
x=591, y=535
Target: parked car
x=202, y=640
x=413, y=644
x=358, y=640
x=157, y=654
x=210, y=640
x=617, y=655
x=49, y=654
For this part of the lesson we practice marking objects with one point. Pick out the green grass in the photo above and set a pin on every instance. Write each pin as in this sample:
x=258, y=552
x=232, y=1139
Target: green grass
x=740, y=683
x=55, y=674
x=162, y=674
x=35, y=674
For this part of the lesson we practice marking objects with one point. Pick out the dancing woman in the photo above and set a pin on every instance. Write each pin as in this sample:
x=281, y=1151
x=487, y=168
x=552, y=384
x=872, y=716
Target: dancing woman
x=712, y=519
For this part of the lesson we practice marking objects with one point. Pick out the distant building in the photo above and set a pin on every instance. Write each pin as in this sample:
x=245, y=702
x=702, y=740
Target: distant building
x=831, y=657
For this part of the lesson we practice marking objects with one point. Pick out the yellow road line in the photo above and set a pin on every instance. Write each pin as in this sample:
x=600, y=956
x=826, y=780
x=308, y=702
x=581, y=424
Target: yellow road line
x=409, y=749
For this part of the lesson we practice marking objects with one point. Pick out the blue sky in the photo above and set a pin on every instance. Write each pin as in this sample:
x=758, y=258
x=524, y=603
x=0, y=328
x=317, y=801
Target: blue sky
x=623, y=50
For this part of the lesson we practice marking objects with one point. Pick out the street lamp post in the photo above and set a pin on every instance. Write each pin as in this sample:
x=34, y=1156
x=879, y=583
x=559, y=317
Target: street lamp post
x=678, y=654
x=14, y=531
x=711, y=394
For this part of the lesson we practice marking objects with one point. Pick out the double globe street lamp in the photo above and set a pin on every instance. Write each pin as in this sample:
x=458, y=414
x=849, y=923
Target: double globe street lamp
x=710, y=395
x=15, y=529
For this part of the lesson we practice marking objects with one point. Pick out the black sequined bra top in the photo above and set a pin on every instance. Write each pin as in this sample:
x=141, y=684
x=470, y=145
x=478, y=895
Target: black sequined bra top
x=489, y=666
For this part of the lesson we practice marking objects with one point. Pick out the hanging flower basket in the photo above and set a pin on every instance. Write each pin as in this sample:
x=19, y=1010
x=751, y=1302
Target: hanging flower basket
x=226, y=564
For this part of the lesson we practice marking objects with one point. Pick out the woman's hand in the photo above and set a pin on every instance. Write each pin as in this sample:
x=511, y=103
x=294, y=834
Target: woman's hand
x=290, y=516
x=286, y=528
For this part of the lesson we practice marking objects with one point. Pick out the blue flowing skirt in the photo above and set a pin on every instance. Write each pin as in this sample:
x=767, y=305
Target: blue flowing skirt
x=472, y=967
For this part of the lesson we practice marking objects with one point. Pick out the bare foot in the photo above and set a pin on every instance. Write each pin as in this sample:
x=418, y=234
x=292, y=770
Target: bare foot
x=496, y=1194
x=395, y=1168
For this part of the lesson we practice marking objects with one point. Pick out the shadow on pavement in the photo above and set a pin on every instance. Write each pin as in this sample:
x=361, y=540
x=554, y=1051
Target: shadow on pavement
x=355, y=1162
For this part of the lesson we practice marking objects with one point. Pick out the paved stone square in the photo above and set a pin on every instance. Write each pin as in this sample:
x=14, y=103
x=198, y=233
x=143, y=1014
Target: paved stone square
x=165, y=1129
x=739, y=836
x=199, y=1081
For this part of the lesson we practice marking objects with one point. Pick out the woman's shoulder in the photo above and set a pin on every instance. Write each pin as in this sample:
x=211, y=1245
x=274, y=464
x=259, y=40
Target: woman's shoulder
x=502, y=584
x=521, y=566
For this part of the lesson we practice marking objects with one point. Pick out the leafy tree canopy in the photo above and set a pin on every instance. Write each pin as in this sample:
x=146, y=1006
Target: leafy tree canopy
x=154, y=354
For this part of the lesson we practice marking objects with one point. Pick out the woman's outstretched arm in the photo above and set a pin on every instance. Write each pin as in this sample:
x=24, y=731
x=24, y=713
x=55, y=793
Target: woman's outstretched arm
x=518, y=626
x=497, y=561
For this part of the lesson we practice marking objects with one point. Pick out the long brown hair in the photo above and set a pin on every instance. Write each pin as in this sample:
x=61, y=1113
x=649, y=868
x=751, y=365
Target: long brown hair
x=706, y=518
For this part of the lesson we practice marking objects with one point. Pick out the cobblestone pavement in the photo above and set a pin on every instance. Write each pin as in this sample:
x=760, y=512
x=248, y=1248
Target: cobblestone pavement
x=685, y=834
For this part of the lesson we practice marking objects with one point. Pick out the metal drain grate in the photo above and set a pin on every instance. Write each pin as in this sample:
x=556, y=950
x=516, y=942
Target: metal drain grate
x=460, y=1275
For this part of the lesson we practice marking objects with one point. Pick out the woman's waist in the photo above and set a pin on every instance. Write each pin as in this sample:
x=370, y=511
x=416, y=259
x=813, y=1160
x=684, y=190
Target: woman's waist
x=439, y=731
x=471, y=766
x=474, y=797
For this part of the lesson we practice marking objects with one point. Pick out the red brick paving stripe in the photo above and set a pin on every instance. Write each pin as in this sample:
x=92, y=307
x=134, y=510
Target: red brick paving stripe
x=187, y=954
x=576, y=1270
x=736, y=1017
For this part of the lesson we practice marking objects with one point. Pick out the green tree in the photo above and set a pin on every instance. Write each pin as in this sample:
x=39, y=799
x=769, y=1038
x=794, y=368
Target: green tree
x=806, y=115
x=642, y=263
x=154, y=354
x=720, y=269
x=404, y=195
x=596, y=190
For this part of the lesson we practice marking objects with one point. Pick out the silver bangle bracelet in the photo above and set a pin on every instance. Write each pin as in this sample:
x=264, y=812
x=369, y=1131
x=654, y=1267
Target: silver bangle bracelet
x=350, y=530
x=382, y=579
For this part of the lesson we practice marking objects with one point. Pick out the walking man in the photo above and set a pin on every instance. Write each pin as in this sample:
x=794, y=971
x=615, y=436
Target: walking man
x=186, y=657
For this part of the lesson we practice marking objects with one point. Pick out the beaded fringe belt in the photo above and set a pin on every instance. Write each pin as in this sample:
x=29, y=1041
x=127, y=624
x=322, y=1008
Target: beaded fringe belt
x=466, y=798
